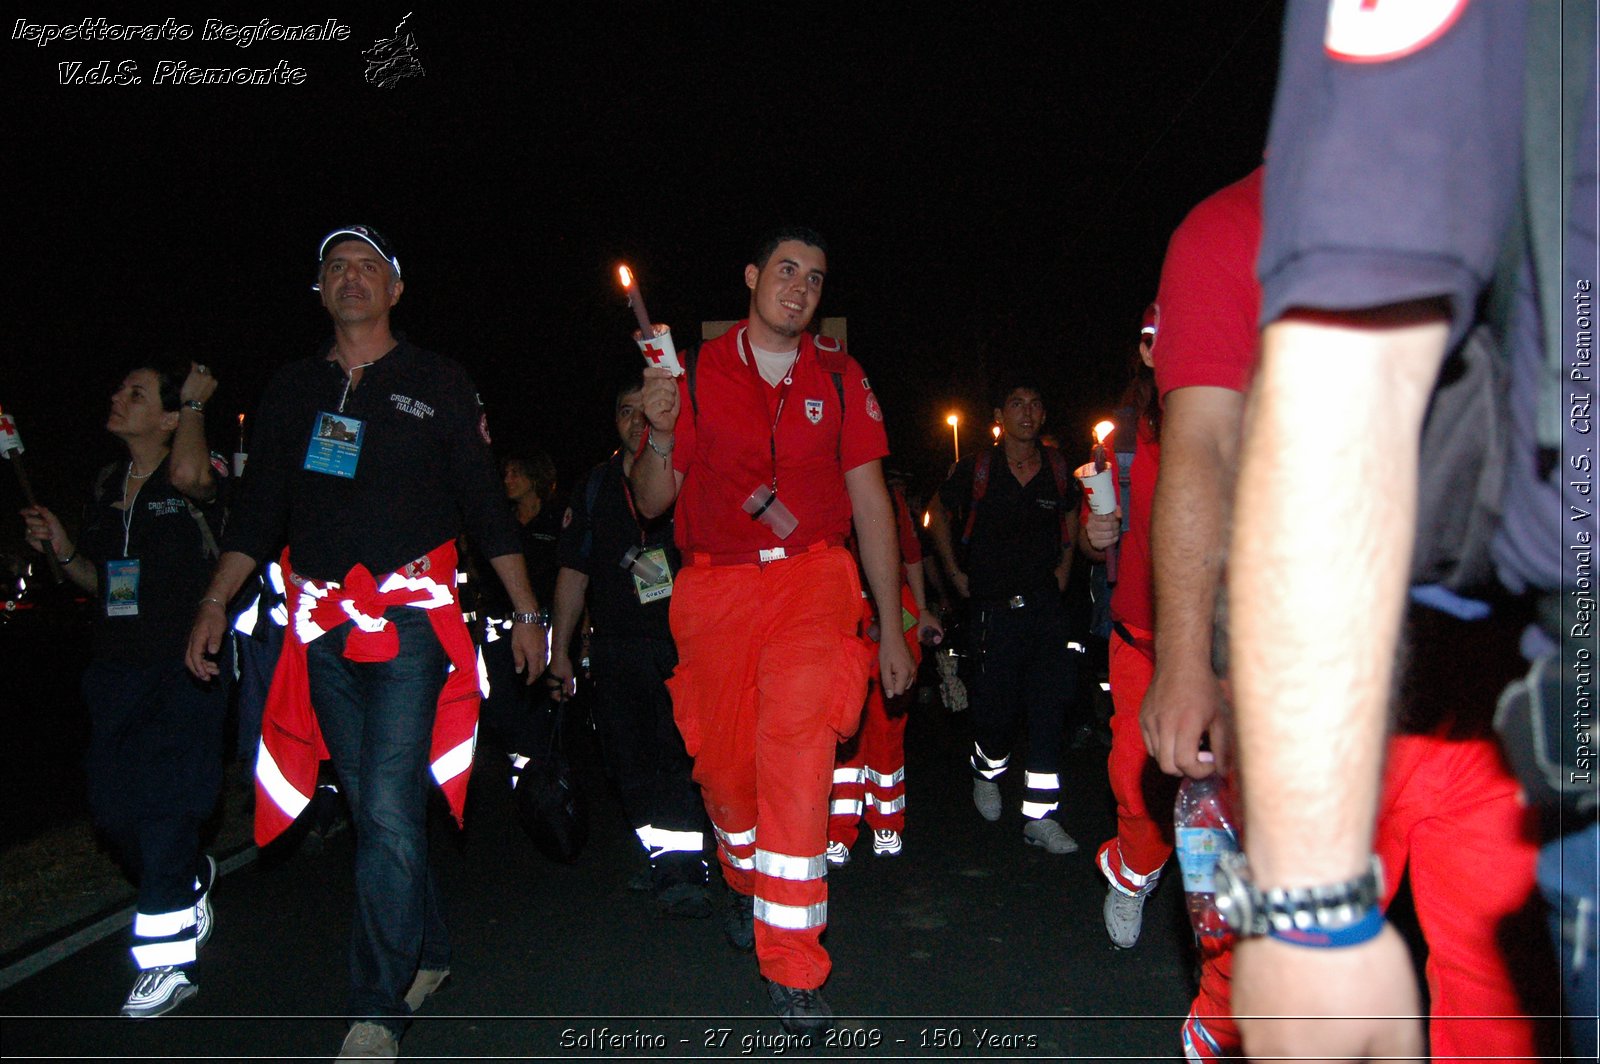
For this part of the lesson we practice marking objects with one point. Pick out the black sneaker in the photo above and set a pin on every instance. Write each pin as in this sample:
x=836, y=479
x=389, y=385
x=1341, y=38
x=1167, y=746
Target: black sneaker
x=800, y=1011
x=739, y=921
x=686, y=901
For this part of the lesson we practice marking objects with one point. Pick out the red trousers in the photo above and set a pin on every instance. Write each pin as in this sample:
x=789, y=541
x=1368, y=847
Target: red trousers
x=770, y=676
x=869, y=777
x=1133, y=860
x=1451, y=809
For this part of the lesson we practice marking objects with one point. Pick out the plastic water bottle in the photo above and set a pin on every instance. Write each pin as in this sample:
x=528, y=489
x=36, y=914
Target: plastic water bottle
x=1206, y=826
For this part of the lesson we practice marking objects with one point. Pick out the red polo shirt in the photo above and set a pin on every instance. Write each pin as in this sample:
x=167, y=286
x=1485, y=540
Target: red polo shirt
x=726, y=444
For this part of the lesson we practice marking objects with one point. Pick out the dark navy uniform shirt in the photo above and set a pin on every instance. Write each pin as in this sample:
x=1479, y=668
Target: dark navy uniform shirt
x=424, y=475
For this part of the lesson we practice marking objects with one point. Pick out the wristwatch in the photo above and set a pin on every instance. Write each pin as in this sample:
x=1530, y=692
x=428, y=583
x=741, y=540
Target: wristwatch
x=196, y=405
x=1251, y=912
x=539, y=617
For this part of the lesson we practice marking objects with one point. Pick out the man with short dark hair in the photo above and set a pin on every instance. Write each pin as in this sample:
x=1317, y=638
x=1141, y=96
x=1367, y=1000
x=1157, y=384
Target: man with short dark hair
x=1021, y=506
x=772, y=445
x=369, y=459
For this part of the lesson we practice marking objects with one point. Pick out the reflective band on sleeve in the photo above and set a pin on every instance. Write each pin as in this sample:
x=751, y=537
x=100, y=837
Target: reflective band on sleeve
x=439, y=595
x=361, y=620
x=845, y=807
x=786, y=866
x=162, y=954
x=245, y=623
x=163, y=925
x=735, y=838
x=483, y=675
x=1039, y=810
x=455, y=761
x=894, y=805
x=1041, y=781
x=881, y=780
x=744, y=864
x=659, y=841
x=791, y=917
x=278, y=788
x=847, y=775
x=275, y=576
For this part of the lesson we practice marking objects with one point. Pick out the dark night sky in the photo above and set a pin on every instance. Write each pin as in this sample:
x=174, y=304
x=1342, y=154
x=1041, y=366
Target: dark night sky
x=996, y=188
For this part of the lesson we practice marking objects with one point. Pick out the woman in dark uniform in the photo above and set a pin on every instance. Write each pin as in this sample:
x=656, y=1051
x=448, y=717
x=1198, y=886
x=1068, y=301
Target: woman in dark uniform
x=144, y=552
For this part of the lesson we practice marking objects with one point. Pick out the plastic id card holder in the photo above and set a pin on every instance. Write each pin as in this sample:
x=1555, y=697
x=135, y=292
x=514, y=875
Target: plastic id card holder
x=335, y=446
x=122, y=588
x=660, y=589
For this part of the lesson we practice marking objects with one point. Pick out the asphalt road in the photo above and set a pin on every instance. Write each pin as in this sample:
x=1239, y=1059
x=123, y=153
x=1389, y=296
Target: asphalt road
x=969, y=945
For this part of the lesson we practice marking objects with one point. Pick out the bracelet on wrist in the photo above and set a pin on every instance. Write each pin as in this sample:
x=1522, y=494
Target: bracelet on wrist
x=650, y=442
x=1363, y=930
x=539, y=617
x=213, y=598
x=69, y=559
x=194, y=404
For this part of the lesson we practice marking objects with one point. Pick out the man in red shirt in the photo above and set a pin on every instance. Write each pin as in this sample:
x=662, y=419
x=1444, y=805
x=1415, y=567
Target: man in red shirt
x=1447, y=798
x=1133, y=859
x=771, y=446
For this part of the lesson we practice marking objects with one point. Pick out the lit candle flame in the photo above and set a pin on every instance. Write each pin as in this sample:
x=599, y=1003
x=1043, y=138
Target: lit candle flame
x=926, y=517
x=994, y=430
x=952, y=420
x=1104, y=429
x=625, y=275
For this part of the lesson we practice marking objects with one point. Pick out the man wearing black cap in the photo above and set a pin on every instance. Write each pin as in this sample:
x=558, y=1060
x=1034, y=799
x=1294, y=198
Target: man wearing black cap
x=369, y=459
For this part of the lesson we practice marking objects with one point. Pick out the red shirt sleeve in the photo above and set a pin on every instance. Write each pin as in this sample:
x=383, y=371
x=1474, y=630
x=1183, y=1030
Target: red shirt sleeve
x=1209, y=297
x=864, y=438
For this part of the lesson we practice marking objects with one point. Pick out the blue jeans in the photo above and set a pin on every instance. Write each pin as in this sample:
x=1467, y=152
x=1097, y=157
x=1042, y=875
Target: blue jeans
x=377, y=720
x=1567, y=880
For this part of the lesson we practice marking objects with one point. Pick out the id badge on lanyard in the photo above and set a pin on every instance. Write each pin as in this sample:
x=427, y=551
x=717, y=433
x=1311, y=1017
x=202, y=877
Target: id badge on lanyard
x=651, y=590
x=122, y=587
x=335, y=447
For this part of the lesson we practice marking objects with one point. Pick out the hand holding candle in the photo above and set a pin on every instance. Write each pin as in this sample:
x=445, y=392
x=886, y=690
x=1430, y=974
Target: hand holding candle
x=1099, y=481
x=655, y=341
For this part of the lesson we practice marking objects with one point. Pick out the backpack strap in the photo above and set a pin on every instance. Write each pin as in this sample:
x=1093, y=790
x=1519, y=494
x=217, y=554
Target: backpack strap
x=690, y=357
x=1557, y=90
x=980, y=488
x=1063, y=478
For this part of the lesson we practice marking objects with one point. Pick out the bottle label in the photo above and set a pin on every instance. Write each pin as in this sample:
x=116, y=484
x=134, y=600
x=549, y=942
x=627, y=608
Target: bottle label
x=1198, y=850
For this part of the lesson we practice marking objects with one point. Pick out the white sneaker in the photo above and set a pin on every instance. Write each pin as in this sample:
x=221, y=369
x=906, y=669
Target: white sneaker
x=157, y=992
x=986, y=796
x=838, y=854
x=1124, y=917
x=368, y=1040
x=426, y=983
x=887, y=843
x=204, y=918
x=1048, y=834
